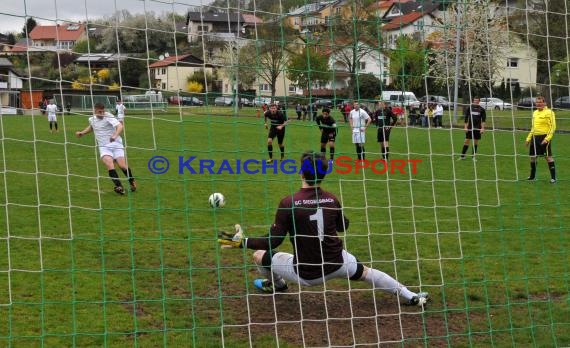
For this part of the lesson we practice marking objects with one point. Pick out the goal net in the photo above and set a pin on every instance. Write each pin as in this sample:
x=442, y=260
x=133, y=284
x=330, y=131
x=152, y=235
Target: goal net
x=81, y=265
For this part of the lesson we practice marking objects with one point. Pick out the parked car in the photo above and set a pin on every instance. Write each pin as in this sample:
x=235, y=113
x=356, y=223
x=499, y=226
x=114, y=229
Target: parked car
x=562, y=102
x=527, y=103
x=439, y=99
x=324, y=103
x=191, y=101
x=224, y=101
x=406, y=99
x=246, y=102
x=258, y=101
x=495, y=104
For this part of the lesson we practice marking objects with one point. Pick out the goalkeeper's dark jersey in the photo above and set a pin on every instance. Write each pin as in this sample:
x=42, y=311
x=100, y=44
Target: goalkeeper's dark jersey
x=475, y=115
x=312, y=218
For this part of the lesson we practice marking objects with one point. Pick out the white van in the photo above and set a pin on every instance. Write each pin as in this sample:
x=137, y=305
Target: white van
x=406, y=99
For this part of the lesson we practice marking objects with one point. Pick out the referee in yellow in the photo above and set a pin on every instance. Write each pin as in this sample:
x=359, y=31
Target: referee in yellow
x=540, y=138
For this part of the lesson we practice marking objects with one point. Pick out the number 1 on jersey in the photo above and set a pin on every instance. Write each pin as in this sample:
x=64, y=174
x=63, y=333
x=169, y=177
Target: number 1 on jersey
x=318, y=217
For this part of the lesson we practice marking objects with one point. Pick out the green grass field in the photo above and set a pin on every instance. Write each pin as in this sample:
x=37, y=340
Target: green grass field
x=80, y=265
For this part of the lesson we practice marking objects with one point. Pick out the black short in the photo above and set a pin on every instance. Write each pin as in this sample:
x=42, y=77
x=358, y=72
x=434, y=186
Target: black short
x=536, y=147
x=274, y=132
x=473, y=134
x=383, y=134
x=326, y=137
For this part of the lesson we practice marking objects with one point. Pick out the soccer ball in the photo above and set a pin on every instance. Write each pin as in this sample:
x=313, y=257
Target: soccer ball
x=217, y=200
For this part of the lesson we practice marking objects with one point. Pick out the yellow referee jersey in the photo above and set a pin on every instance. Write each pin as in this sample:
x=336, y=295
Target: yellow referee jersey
x=543, y=123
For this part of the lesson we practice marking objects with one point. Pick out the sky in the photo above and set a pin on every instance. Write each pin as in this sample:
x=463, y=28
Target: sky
x=13, y=12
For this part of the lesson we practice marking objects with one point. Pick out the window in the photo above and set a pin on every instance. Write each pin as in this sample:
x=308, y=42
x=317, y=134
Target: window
x=512, y=62
x=292, y=89
x=264, y=87
x=202, y=28
x=163, y=71
x=163, y=85
x=362, y=65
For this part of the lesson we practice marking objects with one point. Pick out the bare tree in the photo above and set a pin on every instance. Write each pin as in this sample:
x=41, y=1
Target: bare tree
x=475, y=62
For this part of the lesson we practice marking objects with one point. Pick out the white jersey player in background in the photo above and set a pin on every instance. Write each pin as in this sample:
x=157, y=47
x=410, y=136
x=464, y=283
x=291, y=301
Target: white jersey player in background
x=120, y=107
x=51, y=110
x=107, y=131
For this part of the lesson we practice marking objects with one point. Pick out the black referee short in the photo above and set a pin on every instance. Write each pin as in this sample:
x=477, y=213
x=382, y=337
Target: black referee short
x=383, y=134
x=536, y=147
x=274, y=132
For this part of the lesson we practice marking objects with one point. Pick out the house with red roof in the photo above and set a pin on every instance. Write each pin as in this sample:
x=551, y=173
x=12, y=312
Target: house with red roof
x=60, y=37
x=171, y=73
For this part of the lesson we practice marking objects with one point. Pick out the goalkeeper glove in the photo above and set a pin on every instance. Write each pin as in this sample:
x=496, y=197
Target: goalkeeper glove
x=231, y=240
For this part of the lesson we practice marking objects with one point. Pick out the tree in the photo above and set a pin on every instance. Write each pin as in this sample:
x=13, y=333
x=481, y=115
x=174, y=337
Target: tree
x=355, y=37
x=270, y=52
x=11, y=39
x=28, y=27
x=194, y=87
x=538, y=21
x=407, y=64
x=308, y=67
x=482, y=41
x=86, y=46
x=369, y=87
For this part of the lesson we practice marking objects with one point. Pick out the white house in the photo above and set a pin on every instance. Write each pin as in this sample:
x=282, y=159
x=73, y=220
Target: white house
x=10, y=85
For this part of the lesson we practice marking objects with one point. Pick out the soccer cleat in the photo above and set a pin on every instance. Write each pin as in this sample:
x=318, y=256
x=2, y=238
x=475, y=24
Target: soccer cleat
x=474, y=159
x=461, y=158
x=269, y=161
x=119, y=190
x=419, y=300
x=530, y=178
x=553, y=181
x=266, y=285
x=133, y=185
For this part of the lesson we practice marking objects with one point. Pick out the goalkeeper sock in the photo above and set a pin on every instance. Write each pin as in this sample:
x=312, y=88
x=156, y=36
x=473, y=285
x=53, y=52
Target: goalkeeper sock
x=332, y=153
x=387, y=154
x=276, y=279
x=128, y=174
x=115, y=177
x=323, y=150
x=464, y=151
x=270, y=151
x=383, y=149
x=384, y=282
x=282, y=148
x=475, y=149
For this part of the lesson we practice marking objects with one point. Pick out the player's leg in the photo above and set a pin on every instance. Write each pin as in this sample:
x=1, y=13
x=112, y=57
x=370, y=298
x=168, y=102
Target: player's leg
x=331, y=148
x=270, y=138
x=127, y=171
x=107, y=159
x=550, y=162
x=532, y=152
x=468, y=136
x=272, y=270
x=386, y=144
x=280, y=139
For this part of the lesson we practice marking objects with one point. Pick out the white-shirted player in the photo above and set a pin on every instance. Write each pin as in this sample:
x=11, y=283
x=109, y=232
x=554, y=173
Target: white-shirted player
x=120, y=107
x=51, y=110
x=107, y=131
x=359, y=121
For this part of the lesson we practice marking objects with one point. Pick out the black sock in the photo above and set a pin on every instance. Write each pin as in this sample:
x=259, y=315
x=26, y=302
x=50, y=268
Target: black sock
x=532, y=170
x=282, y=148
x=50, y=125
x=270, y=151
x=475, y=149
x=332, y=152
x=55, y=125
x=383, y=150
x=552, y=169
x=363, y=152
x=464, y=151
x=128, y=174
x=387, y=152
x=358, y=151
x=323, y=150
x=115, y=177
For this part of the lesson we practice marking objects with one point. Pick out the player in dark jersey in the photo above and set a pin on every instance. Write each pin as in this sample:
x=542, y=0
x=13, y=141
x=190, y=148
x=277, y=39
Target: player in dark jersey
x=327, y=125
x=276, y=129
x=312, y=217
x=475, y=117
x=384, y=119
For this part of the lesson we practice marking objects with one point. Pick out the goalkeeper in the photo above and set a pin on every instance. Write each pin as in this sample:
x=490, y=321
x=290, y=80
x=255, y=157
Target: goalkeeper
x=312, y=218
